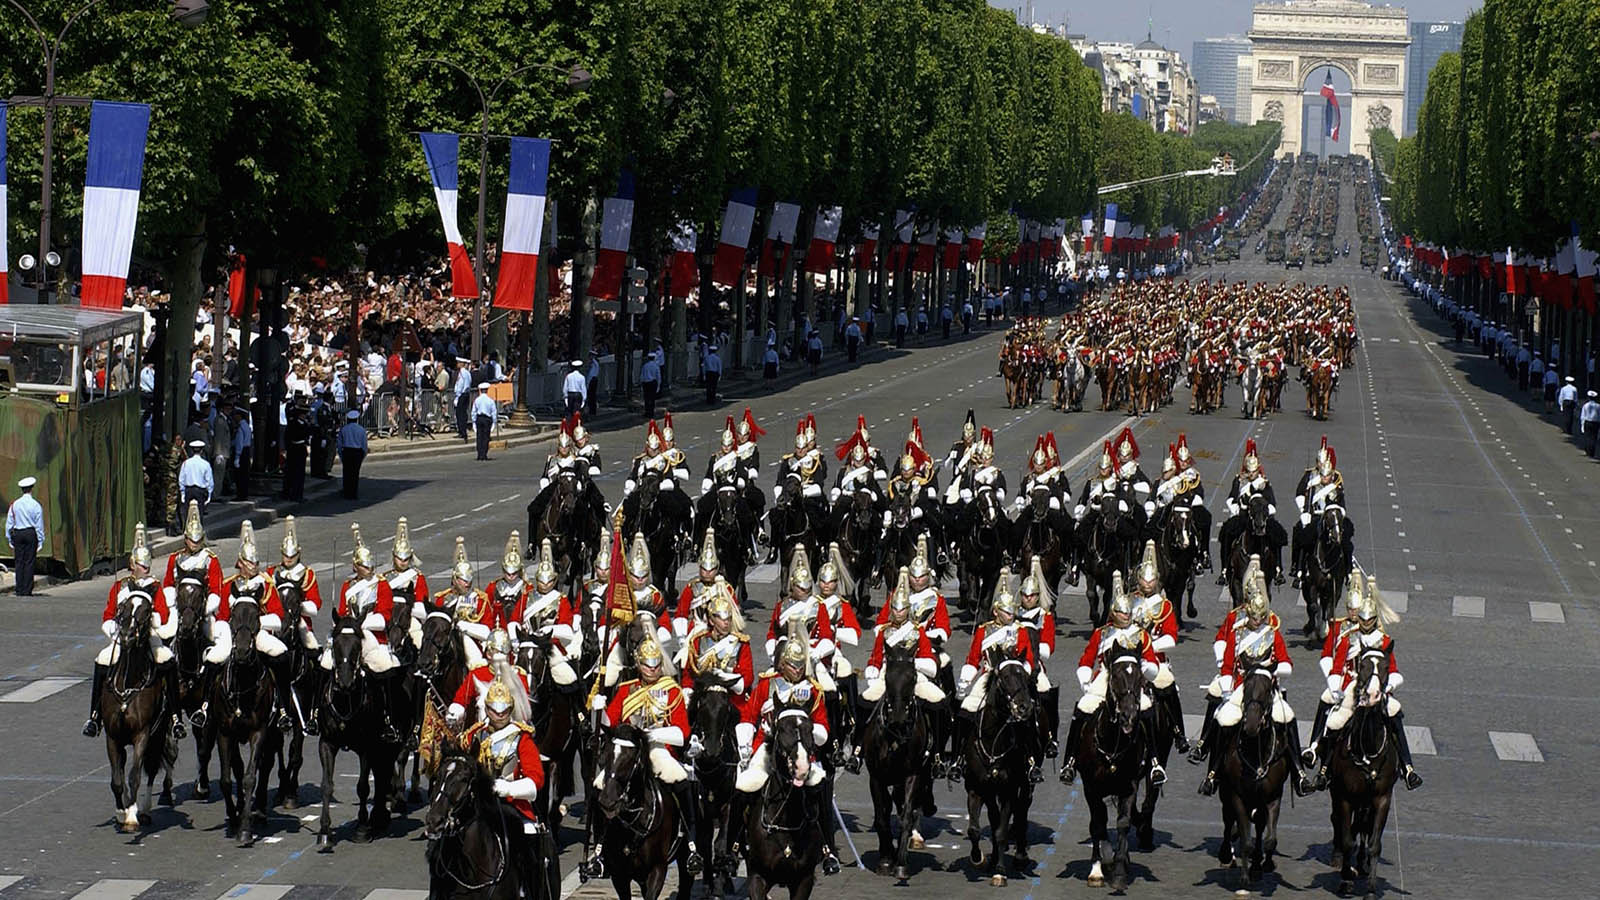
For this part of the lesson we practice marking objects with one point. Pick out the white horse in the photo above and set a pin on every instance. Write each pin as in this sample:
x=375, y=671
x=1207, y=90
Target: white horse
x=1250, y=382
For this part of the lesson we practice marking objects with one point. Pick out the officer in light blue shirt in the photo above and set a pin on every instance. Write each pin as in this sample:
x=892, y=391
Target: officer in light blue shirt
x=25, y=531
x=650, y=382
x=195, y=479
x=352, y=450
x=484, y=412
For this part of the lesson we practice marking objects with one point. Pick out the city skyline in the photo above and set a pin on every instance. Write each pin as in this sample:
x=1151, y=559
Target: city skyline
x=1177, y=24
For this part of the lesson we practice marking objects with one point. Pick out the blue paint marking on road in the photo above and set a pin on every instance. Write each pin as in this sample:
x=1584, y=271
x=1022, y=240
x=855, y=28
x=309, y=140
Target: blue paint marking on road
x=1061, y=821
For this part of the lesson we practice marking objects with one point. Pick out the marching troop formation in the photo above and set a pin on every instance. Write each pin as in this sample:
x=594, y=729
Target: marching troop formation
x=1137, y=341
x=590, y=671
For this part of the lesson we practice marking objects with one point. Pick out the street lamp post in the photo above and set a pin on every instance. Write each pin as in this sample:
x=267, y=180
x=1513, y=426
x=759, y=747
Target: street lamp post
x=188, y=13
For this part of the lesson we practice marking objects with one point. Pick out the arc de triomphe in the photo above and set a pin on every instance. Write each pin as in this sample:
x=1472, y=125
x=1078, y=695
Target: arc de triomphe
x=1293, y=39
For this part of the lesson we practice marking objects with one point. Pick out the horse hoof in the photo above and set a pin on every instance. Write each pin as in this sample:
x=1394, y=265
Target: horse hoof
x=1097, y=876
x=1345, y=888
x=1337, y=861
x=885, y=867
x=167, y=799
x=246, y=838
x=202, y=791
x=1269, y=865
x=997, y=881
x=289, y=801
x=324, y=839
x=902, y=874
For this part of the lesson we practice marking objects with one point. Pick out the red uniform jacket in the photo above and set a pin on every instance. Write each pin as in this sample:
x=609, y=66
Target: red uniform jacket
x=1230, y=664
x=770, y=689
x=821, y=627
x=1022, y=650
x=383, y=607
x=270, y=604
x=937, y=625
x=527, y=763
x=213, y=573
x=1342, y=661
x=1100, y=642
x=677, y=714
x=158, y=601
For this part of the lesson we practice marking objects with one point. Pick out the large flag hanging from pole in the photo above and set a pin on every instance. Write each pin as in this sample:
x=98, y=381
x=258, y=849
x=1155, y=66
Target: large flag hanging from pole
x=442, y=151
x=781, y=230
x=117, y=133
x=867, y=247
x=975, y=238
x=682, y=277
x=824, y=236
x=526, y=194
x=1086, y=226
x=1110, y=227
x=616, y=228
x=734, y=243
x=1330, y=108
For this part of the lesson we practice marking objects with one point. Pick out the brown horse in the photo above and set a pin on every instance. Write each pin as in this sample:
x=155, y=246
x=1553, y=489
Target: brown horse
x=1319, y=393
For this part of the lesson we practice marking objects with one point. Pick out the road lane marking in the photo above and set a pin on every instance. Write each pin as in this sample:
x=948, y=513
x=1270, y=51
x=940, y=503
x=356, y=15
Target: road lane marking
x=40, y=689
x=1546, y=611
x=1420, y=737
x=482, y=506
x=1467, y=607
x=8, y=880
x=115, y=889
x=1515, y=746
x=257, y=891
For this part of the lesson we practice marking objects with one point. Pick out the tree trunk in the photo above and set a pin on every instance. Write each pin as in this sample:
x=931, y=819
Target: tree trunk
x=183, y=275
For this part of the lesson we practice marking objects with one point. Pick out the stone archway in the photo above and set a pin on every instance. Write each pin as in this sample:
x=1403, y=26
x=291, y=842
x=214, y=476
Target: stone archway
x=1367, y=43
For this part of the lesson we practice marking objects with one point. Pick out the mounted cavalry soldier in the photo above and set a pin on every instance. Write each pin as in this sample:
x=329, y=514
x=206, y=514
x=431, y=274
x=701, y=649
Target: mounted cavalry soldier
x=251, y=585
x=1255, y=642
x=564, y=459
x=195, y=566
x=928, y=608
x=691, y=609
x=720, y=648
x=1249, y=483
x=503, y=745
x=860, y=468
x=1033, y=614
x=902, y=631
x=960, y=454
x=593, y=603
x=1153, y=612
x=1120, y=630
x=833, y=585
x=659, y=461
x=366, y=598
x=808, y=465
x=1000, y=641
x=980, y=473
x=1044, y=471
x=1367, y=638
x=1320, y=488
x=1355, y=592
x=914, y=475
x=471, y=694
x=138, y=588
x=473, y=614
x=1180, y=483
x=507, y=591
x=1102, y=481
x=724, y=467
x=545, y=613
x=1132, y=483
x=586, y=449
x=648, y=602
x=654, y=704
x=297, y=587
x=802, y=612
x=750, y=460
x=408, y=585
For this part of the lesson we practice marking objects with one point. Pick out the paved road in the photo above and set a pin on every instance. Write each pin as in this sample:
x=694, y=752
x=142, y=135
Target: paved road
x=1474, y=513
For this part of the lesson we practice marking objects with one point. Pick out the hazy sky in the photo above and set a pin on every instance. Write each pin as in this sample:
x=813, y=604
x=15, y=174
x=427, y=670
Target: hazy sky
x=1177, y=23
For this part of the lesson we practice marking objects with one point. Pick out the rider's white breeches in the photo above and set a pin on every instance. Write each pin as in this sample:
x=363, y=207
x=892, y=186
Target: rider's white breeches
x=1347, y=707
x=1231, y=712
x=1094, y=694
x=222, y=644
x=1163, y=679
x=926, y=690
x=157, y=646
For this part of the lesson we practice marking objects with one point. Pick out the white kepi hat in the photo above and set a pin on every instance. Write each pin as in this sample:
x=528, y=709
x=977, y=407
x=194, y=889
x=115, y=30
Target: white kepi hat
x=27, y=483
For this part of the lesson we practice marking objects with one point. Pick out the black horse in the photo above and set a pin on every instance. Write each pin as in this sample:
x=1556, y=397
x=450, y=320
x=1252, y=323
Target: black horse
x=783, y=827
x=1261, y=536
x=1044, y=534
x=475, y=844
x=730, y=516
x=441, y=667
x=136, y=718
x=1327, y=570
x=241, y=704
x=639, y=827
x=712, y=723
x=665, y=520
x=556, y=726
x=567, y=514
x=1113, y=755
x=1363, y=765
x=898, y=543
x=305, y=683
x=984, y=543
x=858, y=528
x=1177, y=548
x=1250, y=778
x=999, y=751
x=1108, y=537
x=796, y=522
x=897, y=745
x=189, y=646
x=350, y=712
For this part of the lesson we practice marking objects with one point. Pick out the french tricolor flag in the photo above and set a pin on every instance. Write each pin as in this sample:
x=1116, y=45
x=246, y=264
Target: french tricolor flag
x=1111, y=227
x=525, y=202
x=1086, y=223
x=616, y=227
x=5, y=273
x=954, y=240
x=781, y=230
x=442, y=151
x=824, y=236
x=682, y=275
x=867, y=247
x=734, y=243
x=975, y=242
x=117, y=134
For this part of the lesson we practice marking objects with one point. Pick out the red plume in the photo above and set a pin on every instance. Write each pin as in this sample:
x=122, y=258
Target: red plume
x=843, y=450
x=756, y=431
x=1250, y=447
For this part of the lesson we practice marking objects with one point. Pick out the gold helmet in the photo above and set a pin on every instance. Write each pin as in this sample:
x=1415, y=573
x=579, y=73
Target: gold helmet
x=1121, y=603
x=639, y=557
x=1252, y=462
x=1105, y=457
x=833, y=565
x=1004, y=600
x=900, y=600
x=919, y=561
x=1168, y=467
x=1256, y=602
x=1355, y=591
x=291, y=541
x=721, y=605
x=360, y=556
x=796, y=648
x=801, y=440
x=1149, y=572
x=461, y=567
x=602, y=559
x=729, y=440
x=498, y=699
x=648, y=654
x=544, y=573
x=247, y=544
x=969, y=428
x=800, y=569
x=708, y=552
x=499, y=643
x=511, y=561
x=192, y=529
x=1002, y=584
x=402, y=541
x=908, y=463
x=140, y=554
x=666, y=428
x=1374, y=608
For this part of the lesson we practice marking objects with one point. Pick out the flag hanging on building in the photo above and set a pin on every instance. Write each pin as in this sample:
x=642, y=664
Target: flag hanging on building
x=682, y=276
x=442, y=150
x=1584, y=267
x=781, y=229
x=734, y=242
x=1110, y=227
x=927, y=241
x=117, y=133
x=1330, y=108
x=616, y=228
x=824, y=236
x=526, y=194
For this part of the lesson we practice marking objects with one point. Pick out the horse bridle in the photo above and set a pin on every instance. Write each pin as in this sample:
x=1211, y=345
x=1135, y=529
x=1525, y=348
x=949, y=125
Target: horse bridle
x=640, y=820
x=1012, y=720
x=452, y=829
x=1267, y=746
x=768, y=794
x=128, y=638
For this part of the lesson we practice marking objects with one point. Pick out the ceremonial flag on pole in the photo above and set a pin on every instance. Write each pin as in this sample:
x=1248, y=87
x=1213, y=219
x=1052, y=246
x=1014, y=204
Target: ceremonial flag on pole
x=1330, y=109
x=1086, y=230
x=682, y=276
x=526, y=194
x=1515, y=282
x=442, y=150
x=236, y=268
x=616, y=227
x=954, y=240
x=867, y=247
x=781, y=229
x=1584, y=265
x=734, y=242
x=927, y=241
x=117, y=134
x=975, y=242
x=5, y=267
x=1110, y=227
x=824, y=236
x=902, y=238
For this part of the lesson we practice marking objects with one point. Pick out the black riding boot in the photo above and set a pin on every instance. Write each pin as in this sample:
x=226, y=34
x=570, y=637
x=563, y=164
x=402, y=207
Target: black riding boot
x=1302, y=783
x=199, y=717
x=283, y=686
x=1297, y=556
x=1147, y=721
x=1222, y=737
x=1413, y=780
x=1069, y=762
x=1310, y=756
x=683, y=795
x=92, y=726
x=1051, y=721
x=847, y=743
x=944, y=723
x=383, y=695
x=1168, y=698
x=1208, y=731
x=830, y=848
x=170, y=673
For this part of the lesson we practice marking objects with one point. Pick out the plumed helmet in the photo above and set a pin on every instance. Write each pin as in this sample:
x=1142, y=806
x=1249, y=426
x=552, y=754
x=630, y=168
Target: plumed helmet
x=291, y=540
x=1105, y=457
x=667, y=434
x=969, y=428
x=708, y=552
x=919, y=561
x=831, y=564
x=511, y=560
x=602, y=558
x=544, y=572
x=811, y=429
x=900, y=600
x=498, y=699
x=1004, y=599
x=1355, y=590
x=1256, y=602
x=1127, y=447
x=796, y=649
x=1185, y=460
x=247, y=544
x=858, y=453
x=648, y=654
x=460, y=566
x=500, y=643
x=729, y=436
x=1169, y=465
x=652, y=438
x=402, y=541
x=800, y=568
x=360, y=556
x=1252, y=462
x=1149, y=571
x=1121, y=603
x=721, y=605
x=639, y=557
x=1326, y=461
x=192, y=529
x=579, y=433
x=140, y=554
x=563, y=442
x=801, y=439
x=861, y=428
